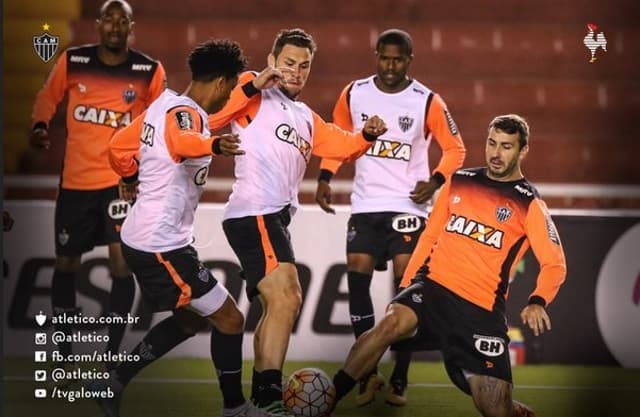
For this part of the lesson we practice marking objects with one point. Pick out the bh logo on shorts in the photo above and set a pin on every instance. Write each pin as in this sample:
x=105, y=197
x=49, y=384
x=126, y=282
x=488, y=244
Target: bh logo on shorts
x=405, y=223
x=489, y=345
x=118, y=209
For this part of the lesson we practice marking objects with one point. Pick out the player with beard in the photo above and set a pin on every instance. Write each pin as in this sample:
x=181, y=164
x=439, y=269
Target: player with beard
x=455, y=286
x=279, y=134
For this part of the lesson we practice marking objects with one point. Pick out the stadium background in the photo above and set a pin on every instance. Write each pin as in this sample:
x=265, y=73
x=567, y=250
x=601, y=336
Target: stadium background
x=484, y=58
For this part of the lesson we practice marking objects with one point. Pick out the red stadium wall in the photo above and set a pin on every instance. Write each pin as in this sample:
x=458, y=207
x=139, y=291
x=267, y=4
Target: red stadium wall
x=498, y=57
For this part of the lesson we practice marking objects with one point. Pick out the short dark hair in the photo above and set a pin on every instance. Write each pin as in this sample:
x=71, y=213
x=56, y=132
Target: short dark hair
x=296, y=37
x=122, y=3
x=395, y=37
x=215, y=58
x=512, y=123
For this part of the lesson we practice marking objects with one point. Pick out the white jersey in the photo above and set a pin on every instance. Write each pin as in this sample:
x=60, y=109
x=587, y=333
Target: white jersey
x=277, y=144
x=161, y=219
x=388, y=172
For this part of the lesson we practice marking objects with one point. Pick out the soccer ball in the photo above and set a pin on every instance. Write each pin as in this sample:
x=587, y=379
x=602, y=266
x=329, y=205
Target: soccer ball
x=309, y=393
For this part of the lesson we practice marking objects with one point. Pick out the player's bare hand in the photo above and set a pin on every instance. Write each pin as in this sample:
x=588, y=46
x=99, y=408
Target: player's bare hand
x=269, y=77
x=535, y=316
x=7, y=221
x=323, y=197
x=423, y=191
x=128, y=191
x=374, y=126
x=39, y=139
x=227, y=145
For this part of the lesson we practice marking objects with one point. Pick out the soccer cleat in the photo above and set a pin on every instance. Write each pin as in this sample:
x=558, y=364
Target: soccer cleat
x=276, y=409
x=368, y=388
x=110, y=406
x=397, y=394
x=245, y=410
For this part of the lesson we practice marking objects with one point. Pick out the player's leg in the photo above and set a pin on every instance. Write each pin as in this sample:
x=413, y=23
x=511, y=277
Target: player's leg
x=263, y=246
x=476, y=353
x=74, y=230
x=162, y=294
x=399, y=379
x=493, y=398
x=399, y=322
x=365, y=245
x=359, y=275
x=123, y=287
x=403, y=233
x=220, y=309
x=361, y=312
x=121, y=298
x=281, y=298
x=177, y=278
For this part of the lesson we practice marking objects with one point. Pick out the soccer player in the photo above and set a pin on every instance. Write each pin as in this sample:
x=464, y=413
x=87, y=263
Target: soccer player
x=107, y=85
x=392, y=183
x=168, y=150
x=455, y=285
x=279, y=134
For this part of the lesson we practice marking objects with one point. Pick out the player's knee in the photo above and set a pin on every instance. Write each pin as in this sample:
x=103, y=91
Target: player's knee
x=118, y=266
x=190, y=323
x=67, y=263
x=231, y=323
x=389, y=329
x=292, y=300
x=286, y=298
x=398, y=322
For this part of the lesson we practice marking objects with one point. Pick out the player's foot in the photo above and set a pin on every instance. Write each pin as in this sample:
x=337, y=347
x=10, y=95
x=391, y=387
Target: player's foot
x=367, y=389
x=245, y=410
x=110, y=406
x=397, y=394
x=276, y=409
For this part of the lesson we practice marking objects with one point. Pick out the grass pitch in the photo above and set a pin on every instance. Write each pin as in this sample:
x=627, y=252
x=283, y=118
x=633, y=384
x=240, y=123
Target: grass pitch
x=188, y=388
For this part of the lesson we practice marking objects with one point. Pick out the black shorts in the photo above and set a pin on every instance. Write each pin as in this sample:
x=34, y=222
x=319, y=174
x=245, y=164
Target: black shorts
x=470, y=338
x=85, y=219
x=260, y=243
x=383, y=235
x=175, y=279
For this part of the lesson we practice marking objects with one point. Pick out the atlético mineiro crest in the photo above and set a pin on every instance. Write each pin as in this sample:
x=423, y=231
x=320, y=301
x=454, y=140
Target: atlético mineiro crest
x=46, y=45
x=503, y=214
x=129, y=94
x=405, y=123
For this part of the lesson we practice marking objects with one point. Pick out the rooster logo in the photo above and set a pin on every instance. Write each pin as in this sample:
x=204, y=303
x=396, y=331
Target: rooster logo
x=593, y=41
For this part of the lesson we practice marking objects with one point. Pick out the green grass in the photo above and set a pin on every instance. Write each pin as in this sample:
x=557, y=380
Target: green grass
x=187, y=388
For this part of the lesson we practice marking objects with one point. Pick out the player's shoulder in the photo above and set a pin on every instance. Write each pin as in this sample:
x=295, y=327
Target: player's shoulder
x=82, y=54
x=141, y=61
x=361, y=83
x=477, y=173
x=417, y=88
x=526, y=189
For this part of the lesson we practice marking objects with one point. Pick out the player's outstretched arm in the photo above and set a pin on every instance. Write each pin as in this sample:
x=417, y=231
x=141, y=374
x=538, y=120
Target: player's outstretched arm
x=330, y=141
